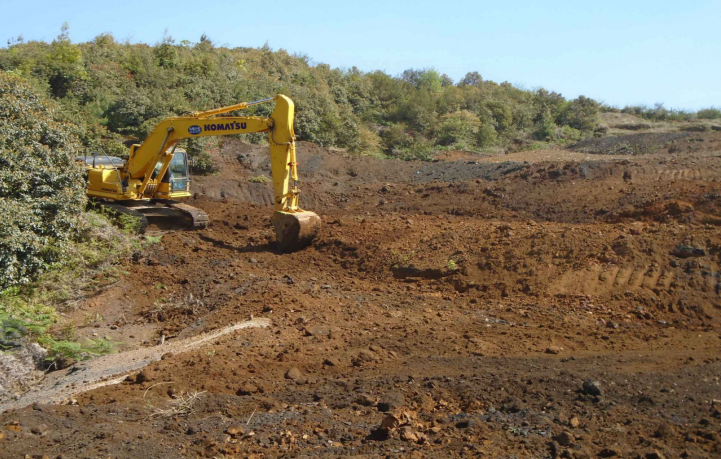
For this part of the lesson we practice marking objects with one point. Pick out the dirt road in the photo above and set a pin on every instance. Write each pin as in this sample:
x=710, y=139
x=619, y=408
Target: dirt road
x=554, y=304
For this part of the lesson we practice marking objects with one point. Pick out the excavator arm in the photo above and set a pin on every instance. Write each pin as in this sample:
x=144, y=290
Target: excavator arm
x=159, y=145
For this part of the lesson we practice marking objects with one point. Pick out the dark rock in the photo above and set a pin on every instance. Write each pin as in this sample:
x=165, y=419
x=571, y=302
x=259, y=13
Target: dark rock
x=608, y=452
x=591, y=387
x=687, y=251
x=365, y=400
x=564, y=439
x=465, y=423
x=247, y=389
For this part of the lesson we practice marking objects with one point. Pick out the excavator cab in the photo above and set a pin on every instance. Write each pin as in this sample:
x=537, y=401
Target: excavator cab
x=176, y=181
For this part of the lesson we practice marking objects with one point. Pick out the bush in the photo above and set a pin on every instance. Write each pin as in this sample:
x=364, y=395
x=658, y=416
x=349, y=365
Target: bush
x=581, y=114
x=487, y=136
x=459, y=128
x=709, y=114
x=202, y=164
x=41, y=187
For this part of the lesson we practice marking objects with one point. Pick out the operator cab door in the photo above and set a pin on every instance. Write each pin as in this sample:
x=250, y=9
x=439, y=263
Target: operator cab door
x=177, y=173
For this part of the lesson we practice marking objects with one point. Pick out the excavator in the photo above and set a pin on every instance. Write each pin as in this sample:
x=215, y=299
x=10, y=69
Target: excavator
x=156, y=174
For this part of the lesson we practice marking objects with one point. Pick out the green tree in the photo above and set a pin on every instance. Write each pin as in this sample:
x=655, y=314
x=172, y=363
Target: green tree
x=41, y=187
x=581, y=114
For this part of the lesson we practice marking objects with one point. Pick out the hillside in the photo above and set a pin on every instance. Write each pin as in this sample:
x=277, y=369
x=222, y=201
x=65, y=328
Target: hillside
x=122, y=89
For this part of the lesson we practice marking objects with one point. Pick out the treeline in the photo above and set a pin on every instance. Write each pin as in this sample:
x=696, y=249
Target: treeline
x=118, y=89
x=660, y=113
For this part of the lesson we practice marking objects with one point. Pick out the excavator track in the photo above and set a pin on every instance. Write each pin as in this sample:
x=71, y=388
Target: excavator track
x=195, y=218
x=114, y=210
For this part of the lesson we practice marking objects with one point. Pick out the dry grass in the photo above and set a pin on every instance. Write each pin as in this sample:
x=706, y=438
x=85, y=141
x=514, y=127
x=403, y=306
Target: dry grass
x=184, y=405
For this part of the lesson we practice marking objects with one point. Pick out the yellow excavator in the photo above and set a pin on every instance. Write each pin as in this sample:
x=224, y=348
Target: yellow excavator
x=156, y=172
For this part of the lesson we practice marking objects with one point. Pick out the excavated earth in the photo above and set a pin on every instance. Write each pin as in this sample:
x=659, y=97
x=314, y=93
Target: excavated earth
x=550, y=303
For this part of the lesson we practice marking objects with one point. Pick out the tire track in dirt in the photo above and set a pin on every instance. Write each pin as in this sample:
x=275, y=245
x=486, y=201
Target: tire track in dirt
x=113, y=369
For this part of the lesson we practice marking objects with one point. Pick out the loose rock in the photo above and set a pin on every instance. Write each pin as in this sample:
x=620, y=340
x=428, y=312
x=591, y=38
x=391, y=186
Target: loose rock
x=591, y=387
x=293, y=374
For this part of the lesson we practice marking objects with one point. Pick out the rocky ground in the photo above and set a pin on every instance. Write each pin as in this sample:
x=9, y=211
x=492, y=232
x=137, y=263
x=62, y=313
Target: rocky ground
x=551, y=303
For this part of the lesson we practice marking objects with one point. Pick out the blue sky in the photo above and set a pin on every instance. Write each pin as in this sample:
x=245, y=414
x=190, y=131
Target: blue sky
x=619, y=52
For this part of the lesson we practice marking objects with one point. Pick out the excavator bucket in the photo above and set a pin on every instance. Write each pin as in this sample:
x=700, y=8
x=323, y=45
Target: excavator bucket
x=294, y=230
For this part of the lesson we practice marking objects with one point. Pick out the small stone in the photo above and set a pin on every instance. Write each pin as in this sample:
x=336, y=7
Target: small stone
x=191, y=431
x=294, y=374
x=564, y=439
x=574, y=422
x=331, y=362
x=553, y=350
x=465, y=423
x=365, y=400
x=364, y=356
x=41, y=429
x=655, y=454
x=664, y=430
x=591, y=387
x=247, y=389
x=166, y=356
x=391, y=401
x=235, y=431
x=144, y=376
x=686, y=251
x=288, y=280
x=608, y=452
x=409, y=435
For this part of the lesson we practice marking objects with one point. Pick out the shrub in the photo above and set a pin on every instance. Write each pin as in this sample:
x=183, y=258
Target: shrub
x=202, y=164
x=262, y=179
x=581, y=114
x=41, y=187
x=487, y=136
x=709, y=114
x=459, y=128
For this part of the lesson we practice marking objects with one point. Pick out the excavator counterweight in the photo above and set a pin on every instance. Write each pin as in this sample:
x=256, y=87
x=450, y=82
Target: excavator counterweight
x=156, y=173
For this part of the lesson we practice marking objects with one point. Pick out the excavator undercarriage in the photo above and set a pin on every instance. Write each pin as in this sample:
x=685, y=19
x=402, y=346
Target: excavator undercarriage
x=167, y=213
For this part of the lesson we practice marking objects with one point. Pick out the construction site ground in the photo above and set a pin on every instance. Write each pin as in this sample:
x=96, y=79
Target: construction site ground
x=549, y=303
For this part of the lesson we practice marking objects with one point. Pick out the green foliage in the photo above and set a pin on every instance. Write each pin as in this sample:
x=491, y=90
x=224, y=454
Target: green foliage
x=30, y=310
x=581, y=114
x=41, y=187
x=129, y=88
x=259, y=179
x=660, y=113
x=203, y=164
x=459, y=128
x=75, y=350
x=709, y=114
